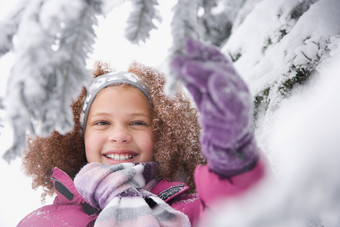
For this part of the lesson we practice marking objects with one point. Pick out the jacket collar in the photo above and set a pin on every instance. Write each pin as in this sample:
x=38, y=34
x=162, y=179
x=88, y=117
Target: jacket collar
x=167, y=190
x=67, y=193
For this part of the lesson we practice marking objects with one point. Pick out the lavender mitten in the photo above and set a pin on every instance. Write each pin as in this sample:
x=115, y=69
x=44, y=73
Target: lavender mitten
x=225, y=106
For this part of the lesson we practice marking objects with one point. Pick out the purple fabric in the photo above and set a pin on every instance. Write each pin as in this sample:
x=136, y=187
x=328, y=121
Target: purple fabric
x=99, y=183
x=225, y=106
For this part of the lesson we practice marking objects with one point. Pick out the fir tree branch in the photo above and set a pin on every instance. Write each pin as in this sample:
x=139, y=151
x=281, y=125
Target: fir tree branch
x=183, y=26
x=141, y=20
x=50, y=68
x=8, y=28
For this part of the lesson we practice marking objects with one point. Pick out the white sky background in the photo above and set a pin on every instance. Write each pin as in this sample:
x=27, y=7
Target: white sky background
x=115, y=49
x=16, y=195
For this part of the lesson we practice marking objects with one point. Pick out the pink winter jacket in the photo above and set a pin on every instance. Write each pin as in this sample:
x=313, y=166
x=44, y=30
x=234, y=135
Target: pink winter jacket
x=71, y=209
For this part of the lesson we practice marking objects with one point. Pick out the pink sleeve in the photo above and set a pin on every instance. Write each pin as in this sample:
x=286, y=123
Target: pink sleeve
x=211, y=187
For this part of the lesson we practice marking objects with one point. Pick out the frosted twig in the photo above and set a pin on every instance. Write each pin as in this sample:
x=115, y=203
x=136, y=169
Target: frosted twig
x=183, y=26
x=141, y=20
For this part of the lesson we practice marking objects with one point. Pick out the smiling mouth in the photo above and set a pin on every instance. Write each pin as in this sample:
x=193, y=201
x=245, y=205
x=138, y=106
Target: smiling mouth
x=120, y=157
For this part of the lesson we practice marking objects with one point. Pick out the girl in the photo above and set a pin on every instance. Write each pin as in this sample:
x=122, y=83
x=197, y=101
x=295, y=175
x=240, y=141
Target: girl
x=131, y=157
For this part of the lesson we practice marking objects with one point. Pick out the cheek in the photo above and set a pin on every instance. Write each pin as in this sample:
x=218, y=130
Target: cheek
x=91, y=147
x=148, y=144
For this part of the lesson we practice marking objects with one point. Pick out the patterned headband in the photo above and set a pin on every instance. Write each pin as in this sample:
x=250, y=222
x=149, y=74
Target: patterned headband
x=104, y=81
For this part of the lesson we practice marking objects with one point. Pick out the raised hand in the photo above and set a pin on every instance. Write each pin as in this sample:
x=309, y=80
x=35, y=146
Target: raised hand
x=225, y=106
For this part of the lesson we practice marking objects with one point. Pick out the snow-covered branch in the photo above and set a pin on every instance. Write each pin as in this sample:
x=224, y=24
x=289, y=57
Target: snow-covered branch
x=53, y=41
x=141, y=20
x=183, y=26
x=8, y=28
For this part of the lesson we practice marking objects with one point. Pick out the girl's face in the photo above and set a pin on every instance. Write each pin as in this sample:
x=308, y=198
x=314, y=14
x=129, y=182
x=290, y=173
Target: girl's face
x=118, y=128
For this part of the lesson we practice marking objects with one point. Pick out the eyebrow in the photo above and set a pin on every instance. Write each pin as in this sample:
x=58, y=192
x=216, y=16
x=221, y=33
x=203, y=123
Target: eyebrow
x=139, y=114
x=134, y=114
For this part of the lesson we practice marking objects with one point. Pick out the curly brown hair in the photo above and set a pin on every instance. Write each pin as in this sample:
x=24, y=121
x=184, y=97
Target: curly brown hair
x=175, y=127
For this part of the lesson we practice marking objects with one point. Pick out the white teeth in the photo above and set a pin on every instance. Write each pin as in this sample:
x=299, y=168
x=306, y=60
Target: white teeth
x=119, y=157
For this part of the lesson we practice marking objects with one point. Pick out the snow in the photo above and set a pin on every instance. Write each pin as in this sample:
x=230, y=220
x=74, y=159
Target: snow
x=300, y=135
x=320, y=22
x=259, y=70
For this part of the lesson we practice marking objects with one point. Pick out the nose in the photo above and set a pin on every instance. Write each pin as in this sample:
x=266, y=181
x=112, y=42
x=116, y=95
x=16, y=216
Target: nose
x=120, y=134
